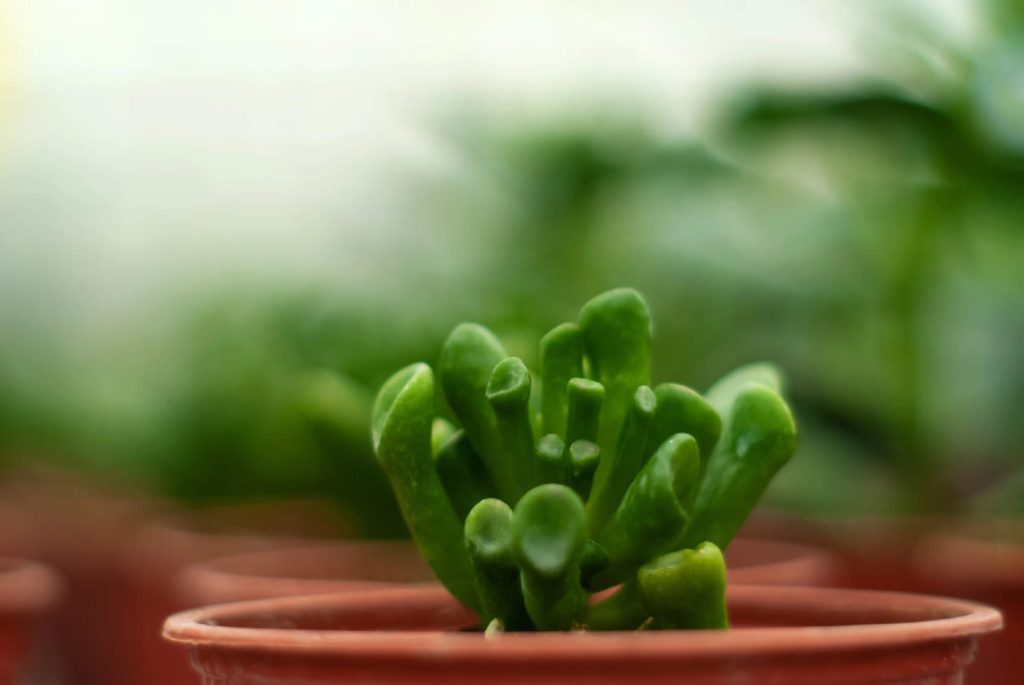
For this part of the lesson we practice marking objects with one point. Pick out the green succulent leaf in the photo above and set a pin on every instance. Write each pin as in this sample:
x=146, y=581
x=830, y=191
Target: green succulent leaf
x=615, y=473
x=654, y=512
x=550, y=536
x=723, y=393
x=402, y=419
x=468, y=358
x=616, y=329
x=682, y=410
x=622, y=610
x=508, y=391
x=584, y=457
x=759, y=439
x=685, y=590
x=552, y=462
x=488, y=535
x=441, y=431
x=584, y=414
x=463, y=474
x=561, y=360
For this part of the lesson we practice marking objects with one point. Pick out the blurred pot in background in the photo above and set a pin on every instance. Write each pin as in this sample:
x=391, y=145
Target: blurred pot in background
x=150, y=562
x=983, y=561
x=78, y=529
x=29, y=593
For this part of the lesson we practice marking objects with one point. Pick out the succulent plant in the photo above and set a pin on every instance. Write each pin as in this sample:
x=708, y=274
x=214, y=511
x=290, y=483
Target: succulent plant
x=539, y=499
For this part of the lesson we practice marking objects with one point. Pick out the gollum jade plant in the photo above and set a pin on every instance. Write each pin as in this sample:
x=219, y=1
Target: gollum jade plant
x=595, y=480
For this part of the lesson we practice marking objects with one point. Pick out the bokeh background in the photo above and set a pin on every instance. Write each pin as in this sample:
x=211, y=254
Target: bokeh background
x=223, y=224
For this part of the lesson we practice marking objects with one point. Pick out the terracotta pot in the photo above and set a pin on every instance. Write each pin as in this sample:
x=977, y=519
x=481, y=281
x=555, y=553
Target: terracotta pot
x=871, y=552
x=159, y=551
x=783, y=635
x=78, y=528
x=770, y=562
x=980, y=564
x=359, y=565
x=979, y=560
x=28, y=592
x=339, y=567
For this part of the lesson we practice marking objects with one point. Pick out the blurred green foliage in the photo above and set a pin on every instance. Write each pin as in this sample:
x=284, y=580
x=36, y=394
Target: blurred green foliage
x=867, y=235
x=922, y=358
x=272, y=399
x=247, y=395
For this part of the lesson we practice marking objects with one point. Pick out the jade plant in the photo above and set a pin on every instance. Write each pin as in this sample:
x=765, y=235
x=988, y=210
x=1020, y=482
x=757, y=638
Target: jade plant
x=541, y=497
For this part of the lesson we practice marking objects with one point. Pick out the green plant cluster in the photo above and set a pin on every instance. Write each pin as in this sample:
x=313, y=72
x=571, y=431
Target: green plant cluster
x=545, y=496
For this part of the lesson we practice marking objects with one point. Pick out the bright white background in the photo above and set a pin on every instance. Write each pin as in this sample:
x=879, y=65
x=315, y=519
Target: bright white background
x=148, y=144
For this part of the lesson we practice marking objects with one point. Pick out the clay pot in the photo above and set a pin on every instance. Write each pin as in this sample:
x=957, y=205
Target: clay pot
x=770, y=562
x=782, y=635
x=77, y=528
x=871, y=552
x=980, y=564
x=348, y=566
x=151, y=561
x=339, y=567
x=28, y=592
x=980, y=560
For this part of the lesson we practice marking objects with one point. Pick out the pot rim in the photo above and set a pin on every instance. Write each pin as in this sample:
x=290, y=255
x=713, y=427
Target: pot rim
x=943, y=619
x=27, y=587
